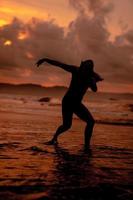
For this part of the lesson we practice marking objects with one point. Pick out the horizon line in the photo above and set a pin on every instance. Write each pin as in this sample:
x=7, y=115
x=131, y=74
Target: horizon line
x=61, y=86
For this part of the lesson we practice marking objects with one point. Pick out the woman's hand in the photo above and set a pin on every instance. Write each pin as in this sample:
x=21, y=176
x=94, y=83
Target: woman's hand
x=39, y=62
x=93, y=84
x=97, y=77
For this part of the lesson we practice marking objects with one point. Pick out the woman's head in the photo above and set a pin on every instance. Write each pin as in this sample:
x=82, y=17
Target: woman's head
x=87, y=66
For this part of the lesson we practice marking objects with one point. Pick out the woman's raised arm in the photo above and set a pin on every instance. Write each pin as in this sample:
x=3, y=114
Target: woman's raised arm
x=66, y=67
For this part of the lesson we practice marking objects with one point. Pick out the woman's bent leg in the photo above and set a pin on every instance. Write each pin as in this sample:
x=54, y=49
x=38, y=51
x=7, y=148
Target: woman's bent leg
x=67, y=122
x=82, y=112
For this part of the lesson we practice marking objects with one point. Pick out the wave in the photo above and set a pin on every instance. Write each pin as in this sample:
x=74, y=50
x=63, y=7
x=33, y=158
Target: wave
x=111, y=122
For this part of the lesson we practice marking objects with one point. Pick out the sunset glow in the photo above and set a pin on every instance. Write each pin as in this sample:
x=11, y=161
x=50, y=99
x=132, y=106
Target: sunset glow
x=7, y=42
x=29, y=55
x=38, y=10
x=22, y=35
x=69, y=31
x=3, y=22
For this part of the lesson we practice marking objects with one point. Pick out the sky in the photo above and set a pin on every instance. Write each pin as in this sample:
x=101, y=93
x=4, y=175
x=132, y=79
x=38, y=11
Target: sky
x=68, y=31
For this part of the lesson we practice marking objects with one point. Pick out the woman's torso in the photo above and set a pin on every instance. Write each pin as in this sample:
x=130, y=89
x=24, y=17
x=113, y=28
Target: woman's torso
x=77, y=88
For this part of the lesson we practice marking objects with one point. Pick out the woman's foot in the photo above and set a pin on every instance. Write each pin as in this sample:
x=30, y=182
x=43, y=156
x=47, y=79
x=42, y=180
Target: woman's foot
x=87, y=148
x=51, y=142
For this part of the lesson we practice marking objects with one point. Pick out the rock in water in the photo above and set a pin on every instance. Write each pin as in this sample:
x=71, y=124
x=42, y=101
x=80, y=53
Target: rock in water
x=44, y=99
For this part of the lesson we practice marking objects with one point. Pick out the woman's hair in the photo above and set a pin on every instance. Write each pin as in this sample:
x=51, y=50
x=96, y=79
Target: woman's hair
x=87, y=65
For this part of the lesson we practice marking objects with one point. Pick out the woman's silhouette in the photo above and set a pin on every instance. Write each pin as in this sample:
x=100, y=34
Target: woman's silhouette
x=83, y=77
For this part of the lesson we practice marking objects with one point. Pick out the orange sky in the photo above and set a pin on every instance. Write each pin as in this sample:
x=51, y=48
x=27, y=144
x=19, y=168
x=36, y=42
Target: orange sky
x=43, y=9
x=63, y=13
x=118, y=21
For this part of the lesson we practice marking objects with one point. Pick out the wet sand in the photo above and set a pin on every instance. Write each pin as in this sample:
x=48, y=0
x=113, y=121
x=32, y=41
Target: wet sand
x=29, y=169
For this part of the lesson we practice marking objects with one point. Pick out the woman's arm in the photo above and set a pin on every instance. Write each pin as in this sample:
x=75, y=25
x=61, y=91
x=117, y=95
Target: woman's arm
x=69, y=68
x=93, y=85
x=97, y=77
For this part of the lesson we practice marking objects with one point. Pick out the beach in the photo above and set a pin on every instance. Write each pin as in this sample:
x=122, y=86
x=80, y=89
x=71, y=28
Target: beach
x=30, y=169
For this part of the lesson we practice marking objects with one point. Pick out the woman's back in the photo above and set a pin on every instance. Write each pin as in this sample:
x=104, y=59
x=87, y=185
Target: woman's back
x=78, y=86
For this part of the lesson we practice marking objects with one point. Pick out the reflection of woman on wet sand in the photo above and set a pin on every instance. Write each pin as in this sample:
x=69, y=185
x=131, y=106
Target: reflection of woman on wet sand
x=83, y=77
x=73, y=174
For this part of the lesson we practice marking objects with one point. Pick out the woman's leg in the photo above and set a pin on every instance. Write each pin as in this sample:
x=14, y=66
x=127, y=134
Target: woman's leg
x=82, y=112
x=67, y=122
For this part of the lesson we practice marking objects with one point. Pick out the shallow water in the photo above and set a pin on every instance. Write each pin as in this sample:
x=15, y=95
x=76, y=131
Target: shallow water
x=29, y=169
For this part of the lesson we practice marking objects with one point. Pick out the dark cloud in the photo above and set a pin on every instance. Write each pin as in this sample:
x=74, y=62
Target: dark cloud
x=113, y=60
x=86, y=37
x=45, y=39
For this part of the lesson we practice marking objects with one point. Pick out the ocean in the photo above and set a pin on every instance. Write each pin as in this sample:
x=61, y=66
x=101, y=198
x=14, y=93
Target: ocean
x=29, y=169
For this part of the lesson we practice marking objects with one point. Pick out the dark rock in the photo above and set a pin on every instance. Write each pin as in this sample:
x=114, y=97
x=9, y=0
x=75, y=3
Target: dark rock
x=44, y=99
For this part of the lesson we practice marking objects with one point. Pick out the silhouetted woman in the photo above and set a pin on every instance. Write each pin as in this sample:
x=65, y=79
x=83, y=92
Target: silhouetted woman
x=83, y=77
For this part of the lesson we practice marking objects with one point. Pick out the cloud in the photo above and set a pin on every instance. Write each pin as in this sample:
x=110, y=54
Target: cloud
x=44, y=39
x=113, y=60
x=86, y=37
